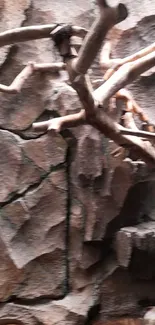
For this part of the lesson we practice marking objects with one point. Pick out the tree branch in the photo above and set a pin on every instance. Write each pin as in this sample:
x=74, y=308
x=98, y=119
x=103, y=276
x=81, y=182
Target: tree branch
x=106, y=126
x=93, y=102
x=132, y=106
x=60, y=123
x=19, y=81
x=98, y=118
x=28, y=33
x=108, y=18
x=49, y=67
x=138, y=133
x=123, y=76
x=106, y=62
x=123, y=93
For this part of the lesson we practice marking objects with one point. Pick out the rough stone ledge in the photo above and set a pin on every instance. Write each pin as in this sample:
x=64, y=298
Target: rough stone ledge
x=141, y=236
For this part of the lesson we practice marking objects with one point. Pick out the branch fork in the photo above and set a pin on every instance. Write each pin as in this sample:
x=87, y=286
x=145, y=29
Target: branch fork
x=119, y=73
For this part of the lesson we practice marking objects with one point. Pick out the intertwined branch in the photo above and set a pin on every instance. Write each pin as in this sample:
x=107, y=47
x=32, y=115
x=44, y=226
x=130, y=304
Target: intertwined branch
x=120, y=72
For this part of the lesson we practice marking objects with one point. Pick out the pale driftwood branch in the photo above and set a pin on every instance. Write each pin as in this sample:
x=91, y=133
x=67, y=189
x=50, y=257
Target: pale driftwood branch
x=108, y=18
x=84, y=90
x=94, y=113
x=106, y=126
x=138, y=133
x=19, y=81
x=114, y=64
x=97, y=118
x=28, y=33
x=132, y=106
x=49, y=67
x=123, y=93
x=129, y=124
x=92, y=101
x=106, y=62
x=60, y=123
x=123, y=76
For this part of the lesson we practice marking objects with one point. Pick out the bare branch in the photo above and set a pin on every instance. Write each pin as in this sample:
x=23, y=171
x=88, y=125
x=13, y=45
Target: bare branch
x=83, y=87
x=114, y=64
x=123, y=76
x=92, y=102
x=106, y=62
x=19, y=81
x=49, y=67
x=28, y=33
x=115, y=131
x=104, y=124
x=62, y=122
x=99, y=119
x=131, y=128
x=132, y=106
x=107, y=19
x=138, y=133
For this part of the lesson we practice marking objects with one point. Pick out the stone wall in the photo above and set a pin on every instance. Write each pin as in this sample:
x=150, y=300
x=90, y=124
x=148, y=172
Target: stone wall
x=76, y=224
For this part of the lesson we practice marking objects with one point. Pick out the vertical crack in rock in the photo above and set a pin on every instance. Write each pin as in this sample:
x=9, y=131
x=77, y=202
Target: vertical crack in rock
x=68, y=157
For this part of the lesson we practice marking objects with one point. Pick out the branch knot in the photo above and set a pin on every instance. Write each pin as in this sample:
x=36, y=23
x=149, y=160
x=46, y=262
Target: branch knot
x=61, y=36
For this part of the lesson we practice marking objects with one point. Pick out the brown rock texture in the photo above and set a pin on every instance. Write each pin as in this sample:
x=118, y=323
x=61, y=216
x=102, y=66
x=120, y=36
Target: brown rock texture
x=77, y=225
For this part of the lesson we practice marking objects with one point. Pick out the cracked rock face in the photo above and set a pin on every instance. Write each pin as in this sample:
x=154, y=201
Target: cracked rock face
x=12, y=15
x=76, y=222
x=31, y=228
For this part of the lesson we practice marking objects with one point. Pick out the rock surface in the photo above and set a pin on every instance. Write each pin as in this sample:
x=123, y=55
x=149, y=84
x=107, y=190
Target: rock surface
x=76, y=222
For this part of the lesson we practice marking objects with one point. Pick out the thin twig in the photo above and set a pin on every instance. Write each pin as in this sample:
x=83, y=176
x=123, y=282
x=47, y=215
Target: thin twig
x=60, y=123
x=138, y=133
x=133, y=106
x=49, y=67
x=19, y=81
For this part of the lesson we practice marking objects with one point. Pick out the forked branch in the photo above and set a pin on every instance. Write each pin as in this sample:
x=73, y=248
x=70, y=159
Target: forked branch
x=131, y=104
x=114, y=64
x=108, y=17
x=93, y=102
x=19, y=81
x=60, y=123
x=123, y=76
